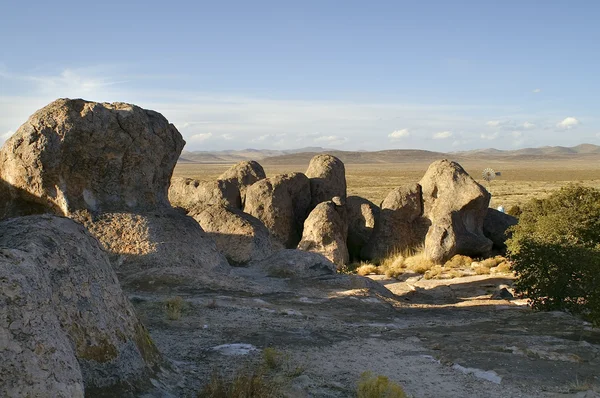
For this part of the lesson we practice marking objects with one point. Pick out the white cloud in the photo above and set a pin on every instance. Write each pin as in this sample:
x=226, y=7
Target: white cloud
x=398, y=134
x=536, y=90
x=489, y=137
x=200, y=137
x=517, y=134
x=493, y=123
x=6, y=135
x=528, y=125
x=330, y=139
x=227, y=136
x=442, y=135
x=568, y=123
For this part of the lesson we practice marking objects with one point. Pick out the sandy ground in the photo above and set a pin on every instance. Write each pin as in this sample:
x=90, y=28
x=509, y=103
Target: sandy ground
x=442, y=338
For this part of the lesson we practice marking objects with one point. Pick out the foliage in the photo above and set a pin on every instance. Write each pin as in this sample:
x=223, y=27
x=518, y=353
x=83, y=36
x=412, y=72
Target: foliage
x=555, y=252
x=173, y=308
x=245, y=384
x=272, y=358
x=515, y=211
x=370, y=386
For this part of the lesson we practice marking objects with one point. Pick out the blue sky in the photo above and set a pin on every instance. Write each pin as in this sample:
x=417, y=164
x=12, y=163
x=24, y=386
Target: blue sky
x=437, y=75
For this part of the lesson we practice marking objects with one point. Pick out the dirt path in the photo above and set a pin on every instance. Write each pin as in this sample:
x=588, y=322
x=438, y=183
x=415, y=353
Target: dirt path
x=435, y=338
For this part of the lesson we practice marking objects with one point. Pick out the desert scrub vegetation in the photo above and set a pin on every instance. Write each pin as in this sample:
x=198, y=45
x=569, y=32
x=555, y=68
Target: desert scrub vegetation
x=371, y=386
x=174, y=308
x=555, y=252
x=247, y=383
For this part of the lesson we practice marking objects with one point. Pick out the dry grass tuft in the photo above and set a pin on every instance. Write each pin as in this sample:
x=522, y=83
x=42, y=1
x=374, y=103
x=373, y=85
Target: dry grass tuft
x=370, y=386
x=245, y=384
x=419, y=263
x=174, y=307
x=367, y=269
x=459, y=261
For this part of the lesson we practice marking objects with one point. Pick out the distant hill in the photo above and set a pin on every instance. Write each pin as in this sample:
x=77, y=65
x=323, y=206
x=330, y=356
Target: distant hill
x=303, y=155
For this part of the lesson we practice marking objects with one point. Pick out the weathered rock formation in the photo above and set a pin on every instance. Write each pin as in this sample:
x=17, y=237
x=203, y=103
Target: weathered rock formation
x=362, y=215
x=297, y=263
x=495, y=226
x=326, y=232
x=189, y=193
x=282, y=204
x=456, y=205
x=65, y=324
x=240, y=237
x=79, y=155
x=400, y=226
x=327, y=176
x=244, y=174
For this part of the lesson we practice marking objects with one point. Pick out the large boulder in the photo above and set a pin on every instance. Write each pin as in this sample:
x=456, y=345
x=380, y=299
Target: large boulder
x=138, y=243
x=189, y=193
x=293, y=263
x=400, y=227
x=327, y=176
x=326, y=232
x=496, y=225
x=244, y=174
x=362, y=215
x=240, y=237
x=79, y=155
x=281, y=203
x=66, y=325
x=456, y=206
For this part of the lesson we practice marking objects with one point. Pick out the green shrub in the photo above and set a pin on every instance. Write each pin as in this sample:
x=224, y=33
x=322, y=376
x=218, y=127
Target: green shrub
x=555, y=252
x=370, y=386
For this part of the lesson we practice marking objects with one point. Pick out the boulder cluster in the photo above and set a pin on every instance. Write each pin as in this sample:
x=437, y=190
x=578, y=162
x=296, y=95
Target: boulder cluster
x=88, y=207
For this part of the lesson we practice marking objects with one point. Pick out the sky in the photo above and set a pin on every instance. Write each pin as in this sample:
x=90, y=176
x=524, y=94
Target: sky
x=352, y=75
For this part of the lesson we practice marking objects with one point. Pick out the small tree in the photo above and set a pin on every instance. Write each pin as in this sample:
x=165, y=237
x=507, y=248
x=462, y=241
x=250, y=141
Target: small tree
x=555, y=250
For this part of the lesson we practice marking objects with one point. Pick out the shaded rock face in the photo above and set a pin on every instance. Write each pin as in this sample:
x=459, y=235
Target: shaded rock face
x=281, y=203
x=327, y=176
x=495, y=226
x=400, y=226
x=326, y=232
x=75, y=154
x=456, y=205
x=139, y=242
x=240, y=237
x=362, y=215
x=65, y=325
x=189, y=193
x=242, y=175
x=297, y=264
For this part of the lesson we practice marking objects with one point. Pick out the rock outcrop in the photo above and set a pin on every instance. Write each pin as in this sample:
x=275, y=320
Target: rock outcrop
x=326, y=231
x=400, y=226
x=456, y=206
x=496, y=225
x=66, y=326
x=79, y=155
x=281, y=203
x=297, y=264
x=327, y=176
x=244, y=174
x=362, y=216
x=240, y=237
x=189, y=193
x=161, y=240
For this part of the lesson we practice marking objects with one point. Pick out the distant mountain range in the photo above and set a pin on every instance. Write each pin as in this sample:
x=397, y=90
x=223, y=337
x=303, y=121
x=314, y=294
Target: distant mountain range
x=303, y=155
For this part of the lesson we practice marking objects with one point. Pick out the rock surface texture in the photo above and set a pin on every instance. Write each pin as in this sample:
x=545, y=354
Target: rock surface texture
x=326, y=232
x=75, y=154
x=189, y=193
x=327, y=176
x=297, y=264
x=66, y=325
x=456, y=206
x=282, y=204
x=362, y=216
x=400, y=226
x=244, y=174
x=240, y=237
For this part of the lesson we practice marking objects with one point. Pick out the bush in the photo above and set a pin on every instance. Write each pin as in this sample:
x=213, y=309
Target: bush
x=173, y=308
x=555, y=252
x=370, y=386
x=245, y=384
x=514, y=211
